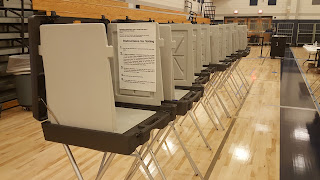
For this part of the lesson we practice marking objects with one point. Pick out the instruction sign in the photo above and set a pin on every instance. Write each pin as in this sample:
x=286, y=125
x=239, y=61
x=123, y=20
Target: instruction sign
x=137, y=56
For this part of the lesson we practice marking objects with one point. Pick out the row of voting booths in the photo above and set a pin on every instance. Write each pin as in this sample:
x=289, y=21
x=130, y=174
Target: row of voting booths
x=119, y=87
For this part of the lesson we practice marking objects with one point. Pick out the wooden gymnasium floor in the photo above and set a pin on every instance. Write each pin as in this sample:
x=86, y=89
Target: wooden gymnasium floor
x=249, y=148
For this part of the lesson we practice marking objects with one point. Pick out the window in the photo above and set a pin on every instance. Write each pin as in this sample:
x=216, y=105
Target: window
x=241, y=22
x=253, y=2
x=315, y=2
x=253, y=25
x=272, y=2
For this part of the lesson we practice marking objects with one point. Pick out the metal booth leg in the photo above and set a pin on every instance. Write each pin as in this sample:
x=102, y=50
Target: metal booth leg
x=135, y=164
x=214, y=112
x=244, y=85
x=102, y=161
x=235, y=86
x=230, y=96
x=138, y=156
x=244, y=76
x=105, y=166
x=191, y=114
x=222, y=105
x=234, y=92
x=183, y=119
x=73, y=162
x=214, y=92
x=236, y=83
x=157, y=164
x=192, y=163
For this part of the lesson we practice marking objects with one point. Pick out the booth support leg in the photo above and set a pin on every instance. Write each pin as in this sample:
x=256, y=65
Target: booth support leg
x=234, y=92
x=199, y=129
x=235, y=86
x=105, y=166
x=160, y=144
x=244, y=76
x=102, y=161
x=214, y=112
x=73, y=162
x=230, y=96
x=135, y=164
x=244, y=85
x=138, y=156
x=192, y=163
x=222, y=105
x=157, y=164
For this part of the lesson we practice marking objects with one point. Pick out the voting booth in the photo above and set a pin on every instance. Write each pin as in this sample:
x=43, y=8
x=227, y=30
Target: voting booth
x=183, y=62
x=76, y=104
x=107, y=86
x=137, y=76
x=183, y=98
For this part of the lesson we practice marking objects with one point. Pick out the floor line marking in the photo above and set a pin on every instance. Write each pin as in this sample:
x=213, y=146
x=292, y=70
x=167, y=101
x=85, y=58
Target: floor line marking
x=225, y=138
x=252, y=71
x=291, y=107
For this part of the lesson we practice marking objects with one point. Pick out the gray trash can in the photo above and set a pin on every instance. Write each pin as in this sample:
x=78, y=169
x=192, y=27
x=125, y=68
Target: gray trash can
x=19, y=65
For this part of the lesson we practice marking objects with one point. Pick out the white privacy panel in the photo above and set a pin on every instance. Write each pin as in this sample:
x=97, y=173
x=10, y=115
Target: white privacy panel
x=215, y=44
x=229, y=29
x=243, y=36
x=78, y=79
x=183, y=63
x=138, y=58
x=167, y=62
x=206, y=50
x=197, y=48
x=222, y=42
x=235, y=38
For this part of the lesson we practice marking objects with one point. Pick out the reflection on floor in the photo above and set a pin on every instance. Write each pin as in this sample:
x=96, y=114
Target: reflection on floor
x=251, y=151
x=299, y=153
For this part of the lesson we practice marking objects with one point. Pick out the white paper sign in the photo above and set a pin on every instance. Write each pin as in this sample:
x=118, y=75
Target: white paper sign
x=137, y=56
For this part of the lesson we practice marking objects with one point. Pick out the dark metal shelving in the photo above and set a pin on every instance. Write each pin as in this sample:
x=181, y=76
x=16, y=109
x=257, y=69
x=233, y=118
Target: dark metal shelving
x=14, y=40
x=209, y=11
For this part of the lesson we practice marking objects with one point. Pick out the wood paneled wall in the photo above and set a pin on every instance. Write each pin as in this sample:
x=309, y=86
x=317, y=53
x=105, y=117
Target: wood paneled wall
x=111, y=9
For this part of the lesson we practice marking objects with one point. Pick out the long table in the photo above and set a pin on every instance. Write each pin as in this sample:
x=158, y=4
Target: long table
x=312, y=50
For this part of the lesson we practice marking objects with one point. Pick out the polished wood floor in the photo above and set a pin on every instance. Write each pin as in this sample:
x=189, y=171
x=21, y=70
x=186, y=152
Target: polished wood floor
x=251, y=150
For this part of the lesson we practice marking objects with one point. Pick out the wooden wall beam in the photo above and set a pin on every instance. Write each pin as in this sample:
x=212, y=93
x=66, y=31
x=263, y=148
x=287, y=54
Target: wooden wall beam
x=63, y=7
x=162, y=10
x=36, y=3
x=110, y=8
